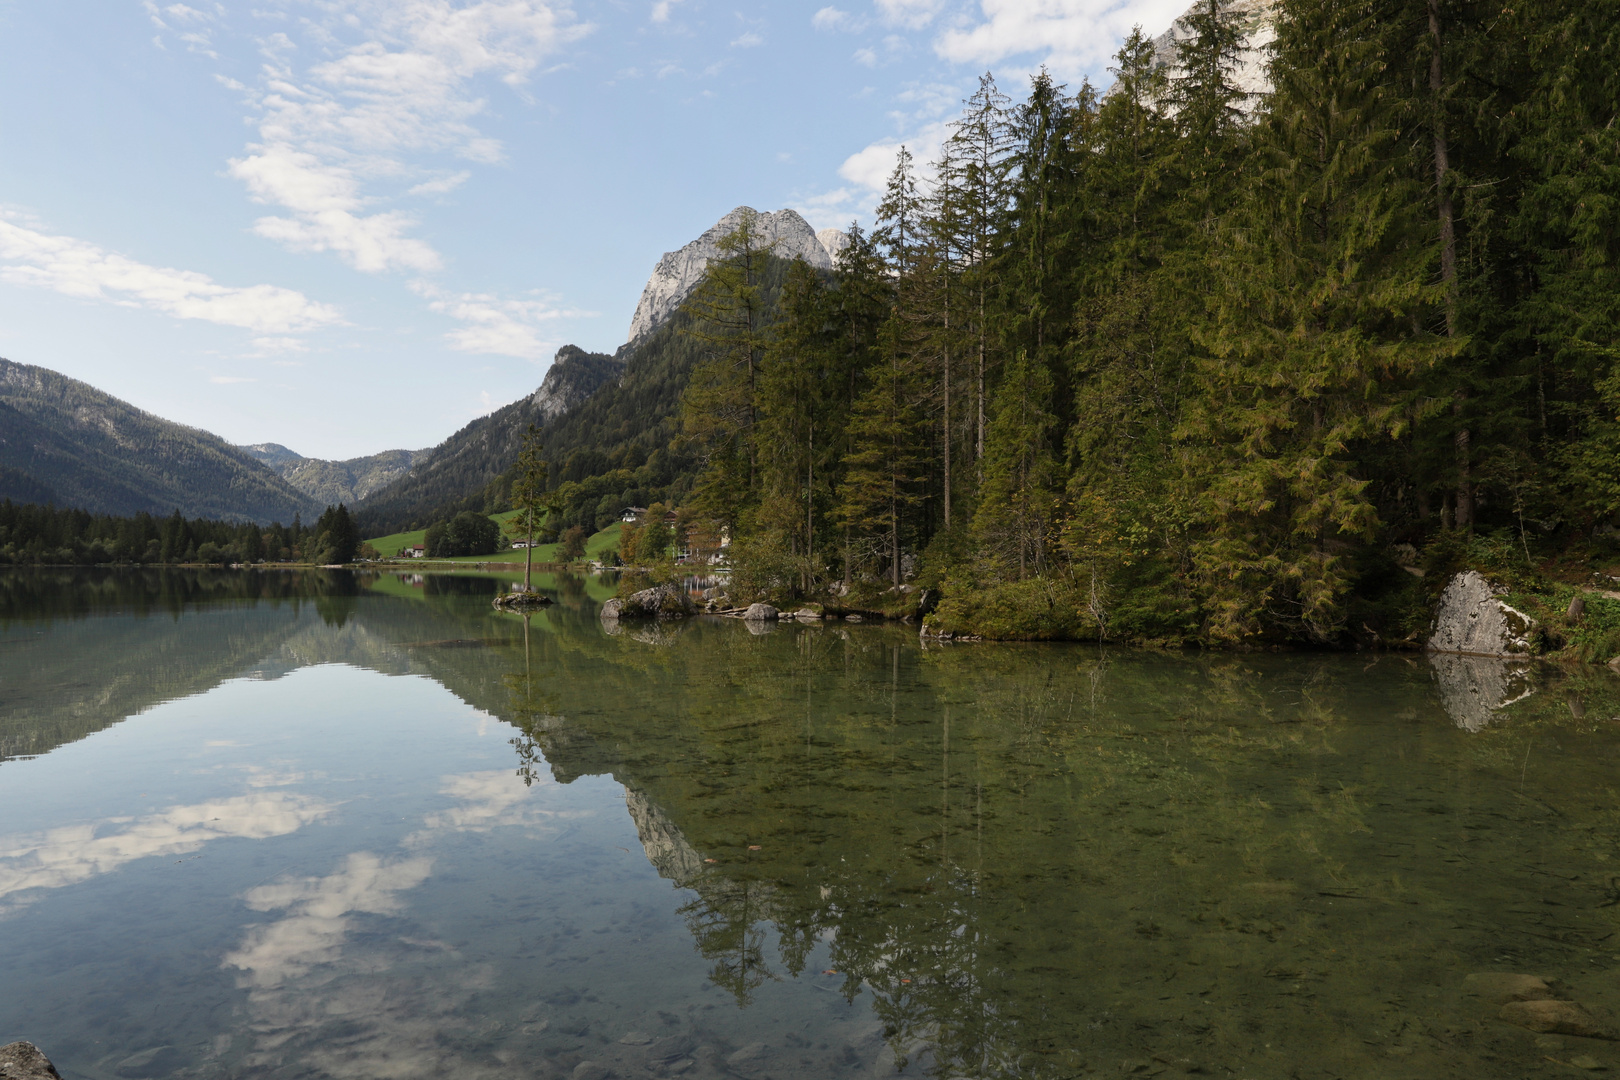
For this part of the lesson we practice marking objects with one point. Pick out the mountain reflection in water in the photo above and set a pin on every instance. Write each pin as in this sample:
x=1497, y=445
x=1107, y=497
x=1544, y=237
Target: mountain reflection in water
x=975, y=860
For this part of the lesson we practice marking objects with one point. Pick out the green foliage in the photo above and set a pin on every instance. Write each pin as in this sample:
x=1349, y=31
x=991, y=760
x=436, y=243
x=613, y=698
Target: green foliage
x=571, y=548
x=45, y=535
x=467, y=533
x=1033, y=609
x=336, y=536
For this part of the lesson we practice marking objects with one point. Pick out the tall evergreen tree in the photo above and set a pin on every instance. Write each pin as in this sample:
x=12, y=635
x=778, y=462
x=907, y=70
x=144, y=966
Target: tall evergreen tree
x=730, y=317
x=980, y=145
x=1017, y=511
x=1317, y=336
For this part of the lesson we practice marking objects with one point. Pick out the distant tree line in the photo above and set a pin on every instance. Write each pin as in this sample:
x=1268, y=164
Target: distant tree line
x=1181, y=362
x=45, y=535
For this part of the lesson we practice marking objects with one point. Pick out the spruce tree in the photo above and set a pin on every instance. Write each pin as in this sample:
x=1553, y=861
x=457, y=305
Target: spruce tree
x=885, y=465
x=1017, y=511
x=1317, y=332
x=719, y=407
x=797, y=430
x=980, y=143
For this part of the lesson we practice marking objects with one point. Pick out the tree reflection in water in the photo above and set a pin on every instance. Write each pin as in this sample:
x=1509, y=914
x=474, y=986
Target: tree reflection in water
x=1038, y=861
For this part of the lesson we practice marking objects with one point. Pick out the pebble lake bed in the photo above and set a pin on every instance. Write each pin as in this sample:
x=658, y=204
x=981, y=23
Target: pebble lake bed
x=327, y=824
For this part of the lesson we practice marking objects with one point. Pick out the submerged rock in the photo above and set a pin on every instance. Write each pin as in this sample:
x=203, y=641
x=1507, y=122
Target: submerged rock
x=1473, y=621
x=149, y=1064
x=1557, y=1017
x=25, y=1061
x=760, y=613
x=590, y=1070
x=1501, y=987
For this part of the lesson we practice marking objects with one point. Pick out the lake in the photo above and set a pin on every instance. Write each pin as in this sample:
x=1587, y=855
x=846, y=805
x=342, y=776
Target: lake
x=324, y=824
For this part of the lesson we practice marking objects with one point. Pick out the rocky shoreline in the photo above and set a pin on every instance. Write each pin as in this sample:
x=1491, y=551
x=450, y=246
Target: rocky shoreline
x=25, y=1061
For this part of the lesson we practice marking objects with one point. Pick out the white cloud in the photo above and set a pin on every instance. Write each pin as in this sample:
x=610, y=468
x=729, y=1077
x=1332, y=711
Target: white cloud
x=831, y=18
x=403, y=90
x=833, y=209
x=79, y=268
x=491, y=799
x=750, y=40
x=919, y=13
x=870, y=168
x=866, y=57
x=316, y=925
x=229, y=380
x=75, y=853
x=660, y=10
x=493, y=325
x=441, y=186
x=270, y=346
x=1071, y=36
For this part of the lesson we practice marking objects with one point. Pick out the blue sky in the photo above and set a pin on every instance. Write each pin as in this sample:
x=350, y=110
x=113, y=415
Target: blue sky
x=354, y=225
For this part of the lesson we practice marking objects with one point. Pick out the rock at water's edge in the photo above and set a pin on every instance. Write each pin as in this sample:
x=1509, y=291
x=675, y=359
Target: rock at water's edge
x=658, y=602
x=760, y=613
x=25, y=1061
x=1472, y=620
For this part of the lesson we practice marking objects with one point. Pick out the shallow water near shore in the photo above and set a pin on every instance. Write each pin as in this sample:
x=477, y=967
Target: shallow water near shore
x=332, y=825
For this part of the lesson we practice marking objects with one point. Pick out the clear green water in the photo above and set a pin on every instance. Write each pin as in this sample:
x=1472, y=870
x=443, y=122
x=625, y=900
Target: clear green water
x=318, y=825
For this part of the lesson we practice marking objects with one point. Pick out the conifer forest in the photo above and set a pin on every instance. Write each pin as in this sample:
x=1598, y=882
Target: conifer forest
x=1179, y=362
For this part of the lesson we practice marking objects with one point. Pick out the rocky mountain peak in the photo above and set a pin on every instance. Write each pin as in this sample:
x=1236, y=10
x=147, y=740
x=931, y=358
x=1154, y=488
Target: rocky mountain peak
x=679, y=272
x=1259, y=30
x=574, y=375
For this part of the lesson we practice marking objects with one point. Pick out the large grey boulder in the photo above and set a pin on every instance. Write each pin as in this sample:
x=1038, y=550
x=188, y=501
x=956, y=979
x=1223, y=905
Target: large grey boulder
x=25, y=1061
x=1471, y=620
x=658, y=602
x=760, y=613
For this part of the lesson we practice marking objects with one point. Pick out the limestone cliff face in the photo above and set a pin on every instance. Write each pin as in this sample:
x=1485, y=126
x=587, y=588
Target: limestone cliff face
x=574, y=375
x=834, y=240
x=667, y=849
x=679, y=272
x=1259, y=31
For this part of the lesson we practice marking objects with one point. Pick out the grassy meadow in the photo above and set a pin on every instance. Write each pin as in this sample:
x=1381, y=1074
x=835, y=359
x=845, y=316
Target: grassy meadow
x=595, y=546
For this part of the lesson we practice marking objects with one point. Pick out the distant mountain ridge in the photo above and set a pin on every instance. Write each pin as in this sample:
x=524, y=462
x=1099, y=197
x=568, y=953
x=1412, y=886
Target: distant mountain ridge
x=332, y=482
x=90, y=450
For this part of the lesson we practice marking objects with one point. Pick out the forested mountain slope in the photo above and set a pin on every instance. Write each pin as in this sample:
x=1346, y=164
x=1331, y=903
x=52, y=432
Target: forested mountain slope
x=455, y=474
x=89, y=450
x=333, y=482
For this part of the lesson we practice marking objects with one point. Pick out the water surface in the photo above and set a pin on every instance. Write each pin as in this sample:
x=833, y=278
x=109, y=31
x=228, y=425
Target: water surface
x=320, y=825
